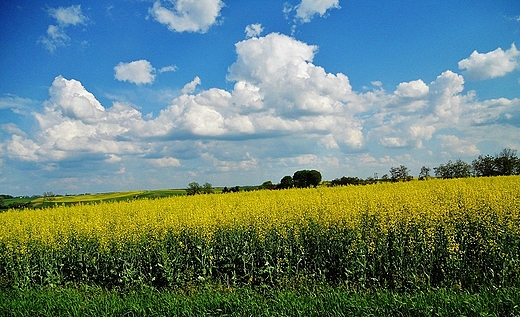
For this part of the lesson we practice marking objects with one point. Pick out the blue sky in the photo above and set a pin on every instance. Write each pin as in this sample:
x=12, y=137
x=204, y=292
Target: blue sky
x=122, y=95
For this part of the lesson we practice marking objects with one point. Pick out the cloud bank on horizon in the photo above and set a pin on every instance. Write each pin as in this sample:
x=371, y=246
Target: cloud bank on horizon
x=281, y=112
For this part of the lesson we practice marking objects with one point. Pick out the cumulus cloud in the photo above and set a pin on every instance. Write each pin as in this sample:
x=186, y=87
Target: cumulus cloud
x=277, y=73
x=416, y=111
x=493, y=64
x=137, y=72
x=190, y=87
x=307, y=9
x=495, y=111
x=254, y=30
x=459, y=146
x=187, y=15
x=446, y=100
x=412, y=89
x=22, y=148
x=56, y=35
x=283, y=108
x=73, y=122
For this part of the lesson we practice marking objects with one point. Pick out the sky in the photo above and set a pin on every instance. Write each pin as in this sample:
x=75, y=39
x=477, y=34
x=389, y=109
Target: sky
x=101, y=96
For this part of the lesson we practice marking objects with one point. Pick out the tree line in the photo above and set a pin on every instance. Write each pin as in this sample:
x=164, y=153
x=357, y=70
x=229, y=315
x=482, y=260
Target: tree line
x=300, y=179
x=505, y=163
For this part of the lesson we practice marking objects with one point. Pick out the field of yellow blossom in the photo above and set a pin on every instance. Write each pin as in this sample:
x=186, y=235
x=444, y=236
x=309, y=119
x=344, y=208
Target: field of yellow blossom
x=461, y=233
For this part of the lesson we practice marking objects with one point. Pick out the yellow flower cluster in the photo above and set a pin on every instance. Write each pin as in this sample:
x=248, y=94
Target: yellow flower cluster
x=492, y=201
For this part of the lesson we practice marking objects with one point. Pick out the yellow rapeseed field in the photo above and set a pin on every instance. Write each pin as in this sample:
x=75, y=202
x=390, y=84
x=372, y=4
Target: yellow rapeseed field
x=462, y=233
x=490, y=200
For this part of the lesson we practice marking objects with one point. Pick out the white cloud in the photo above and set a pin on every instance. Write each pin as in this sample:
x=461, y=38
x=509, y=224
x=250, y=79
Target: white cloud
x=68, y=16
x=190, y=87
x=459, y=146
x=277, y=74
x=187, y=15
x=285, y=111
x=495, y=111
x=274, y=54
x=74, y=122
x=416, y=111
x=270, y=73
x=248, y=96
x=23, y=149
x=307, y=160
x=445, y=97
x=171, y=68
x=16, y=104
x=74, y=101
x=112, y=158
x=307, y=9
x=493, y=64
x=166, y=162
x=12, y=128
x=56, y=36
x=412, y=89
x=254, y=30
x=243, y=163
x=137, y=72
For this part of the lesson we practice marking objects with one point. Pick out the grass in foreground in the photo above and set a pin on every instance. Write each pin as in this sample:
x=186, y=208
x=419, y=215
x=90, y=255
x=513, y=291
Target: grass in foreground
x=210, y=301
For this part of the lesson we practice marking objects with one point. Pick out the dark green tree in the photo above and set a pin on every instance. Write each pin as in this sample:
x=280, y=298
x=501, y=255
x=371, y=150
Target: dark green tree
x=207, y=188
x=193, y=189
x=286, y=182
x=425, y=173
x=399, y=173
x=461, y=169
x=507, y=163
x=484, y=166
x=344, y=181
x=306, y=178
x=267, y=185
x=457, y=169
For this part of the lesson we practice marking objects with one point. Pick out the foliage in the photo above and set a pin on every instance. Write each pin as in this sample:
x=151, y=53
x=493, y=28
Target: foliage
x=48, y=196
x=306, y=178
x=304, y=300
x=425, y=173
x=286, y=182
x=343, y=181
x=462, y=233
x=207, y=188
x=505, y=163
x=457, y=169
x=400, y=173
x=267, y=185
x=235, y=189
x=194, y=188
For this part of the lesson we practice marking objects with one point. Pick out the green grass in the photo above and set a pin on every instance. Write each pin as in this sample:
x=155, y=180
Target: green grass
x=40, y=202
x=217, y=301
